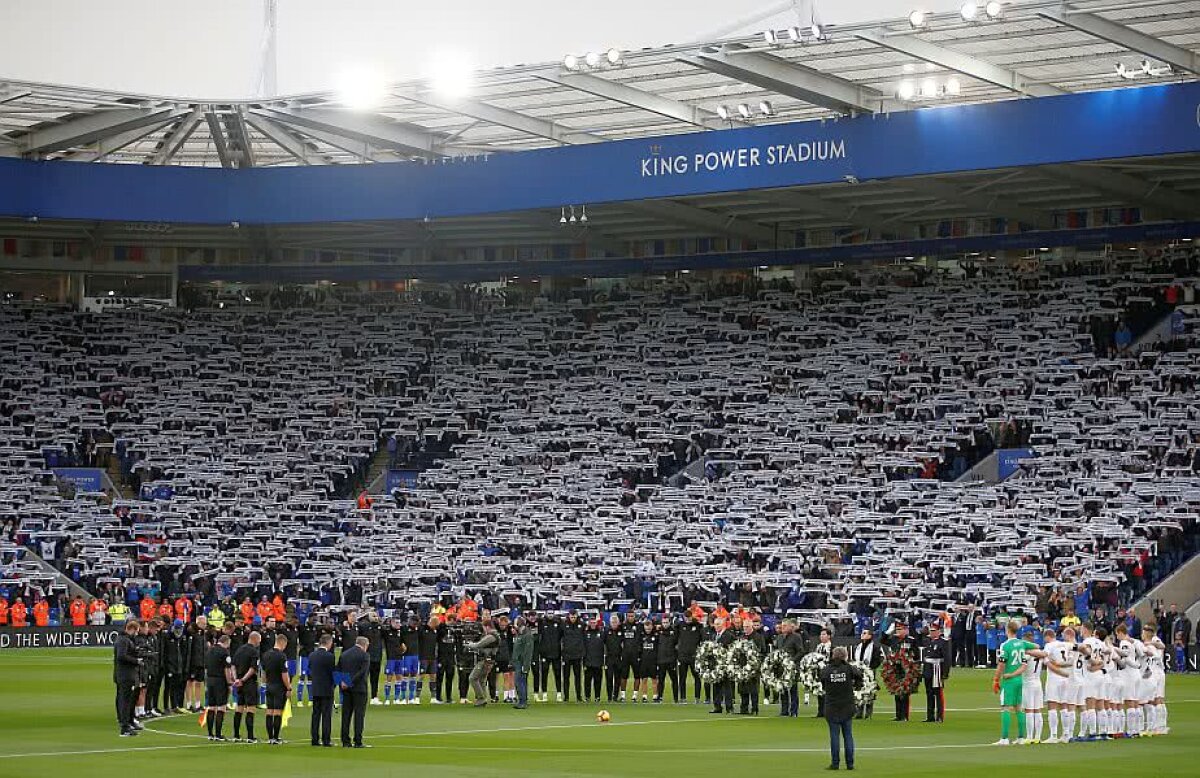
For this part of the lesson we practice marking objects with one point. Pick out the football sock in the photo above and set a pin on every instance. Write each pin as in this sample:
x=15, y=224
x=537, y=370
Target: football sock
x=237, y=725
x=250, y=725
x=1005, y=724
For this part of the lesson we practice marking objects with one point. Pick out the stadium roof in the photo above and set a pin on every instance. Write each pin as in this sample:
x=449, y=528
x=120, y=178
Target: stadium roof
x=1031, y=49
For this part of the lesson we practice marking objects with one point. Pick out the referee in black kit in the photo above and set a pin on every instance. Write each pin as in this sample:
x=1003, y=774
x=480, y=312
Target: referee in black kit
x=279, y=685
x=245, y=666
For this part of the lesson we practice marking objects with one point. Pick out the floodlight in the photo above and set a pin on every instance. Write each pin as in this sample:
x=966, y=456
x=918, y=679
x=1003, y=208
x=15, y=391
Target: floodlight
x=361, y=88
x=592, y=59
x=744, y=110
x=766, y=108
x=907, y=90
x=723, y=112
x=571, y=62
x=953, y=86
x=929, y=87
x=993, y=9
x=770, y=38
x=614, y=56
x=818, y=32
x=968, y=11
x=796, y=34
x=918, y=19
x=451, y=74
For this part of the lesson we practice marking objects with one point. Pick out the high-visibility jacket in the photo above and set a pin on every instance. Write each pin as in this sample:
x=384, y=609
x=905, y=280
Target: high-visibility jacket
x=166, y=610
x=721, y=612
x=41, y=613
x=183, y=609
x=119, y=612
x=97, y=605
x=264, y=610
x=278, y=609
x=468, y=610
x=78, y=613
x=3, y=612
x=20, y=614
x=247, y=608
x=148, y=608
x=216, y=617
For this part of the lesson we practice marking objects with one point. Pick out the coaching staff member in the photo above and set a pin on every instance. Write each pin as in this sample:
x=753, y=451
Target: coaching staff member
x=839, y=679
x=356, y=663
x=320, y=675
x=125, y=676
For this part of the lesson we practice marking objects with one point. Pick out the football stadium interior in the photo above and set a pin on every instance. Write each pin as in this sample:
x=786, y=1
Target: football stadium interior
x=712, y=358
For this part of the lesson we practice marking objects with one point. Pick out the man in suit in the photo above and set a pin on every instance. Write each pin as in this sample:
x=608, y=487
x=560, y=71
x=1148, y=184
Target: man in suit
x=355, y=662
x=723, y=690
x=320, y=673
x=789, y=642
x=870, y=654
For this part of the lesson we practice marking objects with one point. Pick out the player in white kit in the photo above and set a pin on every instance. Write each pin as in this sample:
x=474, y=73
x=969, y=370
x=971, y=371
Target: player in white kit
x=1062, y=687
x=1129, y=653
x=1032, y=698
x=1092, y=648
x=1154, y=680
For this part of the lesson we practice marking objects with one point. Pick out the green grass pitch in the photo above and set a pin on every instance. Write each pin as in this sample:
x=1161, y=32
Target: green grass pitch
x=56, y=716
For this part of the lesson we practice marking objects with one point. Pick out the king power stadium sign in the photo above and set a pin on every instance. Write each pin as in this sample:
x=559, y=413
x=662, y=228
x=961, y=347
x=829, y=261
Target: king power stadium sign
x=59, y=637
x=660, y=164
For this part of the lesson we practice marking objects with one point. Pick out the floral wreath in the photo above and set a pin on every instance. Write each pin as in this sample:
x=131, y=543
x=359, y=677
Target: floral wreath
x=808, y=671
x=778, y=671
x=742, y=662
x=901, y=676
x=866, y=694
x=710, y=662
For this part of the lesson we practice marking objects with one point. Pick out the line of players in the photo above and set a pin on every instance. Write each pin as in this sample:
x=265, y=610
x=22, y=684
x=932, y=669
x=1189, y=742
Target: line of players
x=1098, y=686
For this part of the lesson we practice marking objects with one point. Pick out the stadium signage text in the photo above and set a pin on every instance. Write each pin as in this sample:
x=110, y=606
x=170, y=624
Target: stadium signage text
x=59, y=637
x=716, y=161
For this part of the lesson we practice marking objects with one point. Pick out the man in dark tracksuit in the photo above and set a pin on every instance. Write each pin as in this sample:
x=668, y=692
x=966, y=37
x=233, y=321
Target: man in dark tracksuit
x=447, y=639
x=790, y=643
x=690, y=635
x=175, y=645
x=550, y=650
x=369, y=628
x=125, y=676
x=533, y=624
x=612, y=657
x=464, y=657
x=937, y=655
x=631, y=647
x=593, y=661
x=150, y=649
x=572, y=656
x=668, y=657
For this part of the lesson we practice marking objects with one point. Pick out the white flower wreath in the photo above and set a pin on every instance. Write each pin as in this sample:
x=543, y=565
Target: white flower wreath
x=710, y=662
x=870, y=687
x=778, y=671
x=742, y=662
x=808, y=671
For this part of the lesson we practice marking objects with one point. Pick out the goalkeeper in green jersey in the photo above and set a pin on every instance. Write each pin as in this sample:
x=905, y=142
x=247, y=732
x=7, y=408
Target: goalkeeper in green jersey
x=1010, y=666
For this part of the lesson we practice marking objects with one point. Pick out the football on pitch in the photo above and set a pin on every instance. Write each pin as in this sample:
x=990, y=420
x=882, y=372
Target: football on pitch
x=603, y=717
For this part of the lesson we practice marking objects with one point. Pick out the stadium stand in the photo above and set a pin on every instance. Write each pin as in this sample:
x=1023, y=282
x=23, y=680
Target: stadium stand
x=830, y=424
